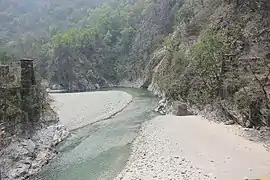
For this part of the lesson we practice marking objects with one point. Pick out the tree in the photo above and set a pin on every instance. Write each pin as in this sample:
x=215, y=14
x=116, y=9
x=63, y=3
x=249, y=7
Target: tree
x=208, y=59
x=4, y=58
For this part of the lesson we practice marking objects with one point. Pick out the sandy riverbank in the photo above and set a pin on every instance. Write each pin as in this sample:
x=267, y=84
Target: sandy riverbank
x=185, y=148
x=76, y=110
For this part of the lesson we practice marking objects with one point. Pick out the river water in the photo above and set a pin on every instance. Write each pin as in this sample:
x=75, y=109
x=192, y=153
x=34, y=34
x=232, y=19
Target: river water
x=101, y=150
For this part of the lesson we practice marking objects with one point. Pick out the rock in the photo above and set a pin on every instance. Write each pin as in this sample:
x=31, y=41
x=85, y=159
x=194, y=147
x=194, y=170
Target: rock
x=209, y=107
x=21, y=150
x=24, y=158
x=180, y=109
x=162, y=101
x=19, y=171
x=239, y=46
x=51, y=135
x=97, y=86
x=56, y=87
x=84, y=82
x=230, y=122
x=248, y=124
x=161, y=108
x=59, y=134
x=42, y=158
x=158, y=108
x=29, y=145
x=156, y=90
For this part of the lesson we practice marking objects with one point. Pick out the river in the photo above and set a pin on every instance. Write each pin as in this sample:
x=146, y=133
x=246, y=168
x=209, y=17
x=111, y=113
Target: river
x=101, y=150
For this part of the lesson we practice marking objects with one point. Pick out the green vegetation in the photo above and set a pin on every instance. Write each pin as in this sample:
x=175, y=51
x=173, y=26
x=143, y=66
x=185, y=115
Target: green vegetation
x=5, y=58
x=190, y=49
x=116, y=41
x=41, y=18
x=207, y=56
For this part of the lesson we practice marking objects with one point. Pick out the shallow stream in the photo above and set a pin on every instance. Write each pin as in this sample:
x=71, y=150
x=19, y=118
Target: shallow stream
x=100, y=150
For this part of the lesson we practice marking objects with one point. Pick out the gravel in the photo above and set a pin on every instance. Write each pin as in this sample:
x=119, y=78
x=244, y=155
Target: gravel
x=76, y=110
x=190, y=147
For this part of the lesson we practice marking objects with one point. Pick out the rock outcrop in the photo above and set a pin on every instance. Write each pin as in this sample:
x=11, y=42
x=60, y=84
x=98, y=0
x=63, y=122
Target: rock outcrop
x=176, y=108
x=23, y=158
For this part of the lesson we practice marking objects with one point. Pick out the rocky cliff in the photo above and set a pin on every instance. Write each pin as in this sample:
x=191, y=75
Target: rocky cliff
x=219, y=57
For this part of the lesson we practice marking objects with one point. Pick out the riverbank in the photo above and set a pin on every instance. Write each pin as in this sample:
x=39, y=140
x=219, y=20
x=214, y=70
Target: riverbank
x=77, y=110
x=190, y=147
x=23, y=158
x=100, y=150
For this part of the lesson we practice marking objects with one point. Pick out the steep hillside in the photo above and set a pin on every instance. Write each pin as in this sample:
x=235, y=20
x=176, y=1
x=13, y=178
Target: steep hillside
x=219, y=55
x=202, y=52
x=116, y=45
x=40, y=17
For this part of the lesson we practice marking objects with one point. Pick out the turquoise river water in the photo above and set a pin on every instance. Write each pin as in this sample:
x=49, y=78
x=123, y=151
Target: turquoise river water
x=101, y=150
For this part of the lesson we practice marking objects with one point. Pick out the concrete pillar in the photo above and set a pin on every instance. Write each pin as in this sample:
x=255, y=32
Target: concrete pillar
x=27, y=74
x=27, y=81
x=4, y=70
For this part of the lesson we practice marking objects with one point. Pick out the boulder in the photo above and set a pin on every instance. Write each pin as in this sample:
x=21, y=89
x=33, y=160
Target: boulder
x=56, y=87
x=180, y=109
x=19, y=171
x=59, y=134
x=162, y=105
x=162, y=101
x=43, y=158
x=248, y=124
x=97, y=86
x=229, y=122
x=30, y=146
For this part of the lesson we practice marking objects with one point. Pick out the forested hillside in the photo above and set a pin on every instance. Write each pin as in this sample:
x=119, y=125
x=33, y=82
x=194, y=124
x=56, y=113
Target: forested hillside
x=40, y=17
x=198, y=51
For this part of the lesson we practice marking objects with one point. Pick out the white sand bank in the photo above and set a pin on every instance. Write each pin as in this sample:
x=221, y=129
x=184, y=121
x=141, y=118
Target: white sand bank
x=191, y=148
x=80, y=109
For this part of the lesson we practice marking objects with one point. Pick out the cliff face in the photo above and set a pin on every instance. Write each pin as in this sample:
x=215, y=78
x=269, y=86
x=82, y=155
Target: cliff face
x=74, y=72
x=219, y=57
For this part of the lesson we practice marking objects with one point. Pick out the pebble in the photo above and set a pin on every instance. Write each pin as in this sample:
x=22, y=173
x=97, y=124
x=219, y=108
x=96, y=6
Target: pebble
x=154, y=158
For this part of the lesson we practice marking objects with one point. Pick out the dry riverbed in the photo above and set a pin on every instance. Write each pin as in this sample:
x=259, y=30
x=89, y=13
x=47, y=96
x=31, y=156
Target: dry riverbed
x=24, y=158
x=76, y=110
x=185, y=148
